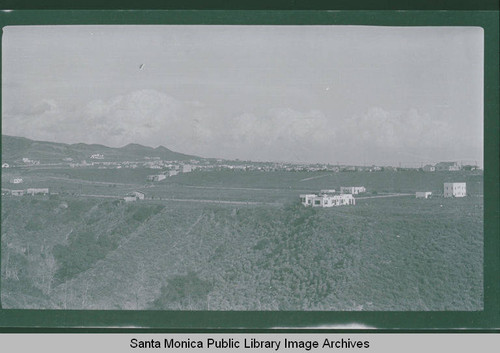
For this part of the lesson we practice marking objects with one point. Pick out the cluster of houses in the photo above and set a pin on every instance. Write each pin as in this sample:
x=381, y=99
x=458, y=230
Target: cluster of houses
x=169, y=167
x=330, y=198
x=29, y=191
x=16, y=180
x=447, y=167
x=97, y=161
x=30, y=161
x=184, y=168
x=26, y=161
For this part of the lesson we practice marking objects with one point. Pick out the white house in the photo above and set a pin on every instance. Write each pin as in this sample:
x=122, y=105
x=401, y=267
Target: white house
x=307, y=199
x=187, y=168
x=37, y=191
x=17, y=192
x=172, y=172
x=130, y=198
x=447, y=166
x=327, y=191
x=354, y=190
x=454, y=190
x=138, y=195
x=30, y=161
x=423, y=194
x=16, y=180
x=158, y=177
x=5, y=165
x=327, y=200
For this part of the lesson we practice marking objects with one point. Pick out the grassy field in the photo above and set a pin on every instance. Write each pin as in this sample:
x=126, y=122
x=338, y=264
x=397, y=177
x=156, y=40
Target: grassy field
x=402, y=253
x=258, y=186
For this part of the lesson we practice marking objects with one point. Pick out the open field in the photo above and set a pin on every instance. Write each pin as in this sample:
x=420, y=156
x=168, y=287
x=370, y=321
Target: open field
x=266, y=253
x=234, y=185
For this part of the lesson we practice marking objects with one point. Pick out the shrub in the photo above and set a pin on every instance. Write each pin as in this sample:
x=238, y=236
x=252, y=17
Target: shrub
x=187, y=291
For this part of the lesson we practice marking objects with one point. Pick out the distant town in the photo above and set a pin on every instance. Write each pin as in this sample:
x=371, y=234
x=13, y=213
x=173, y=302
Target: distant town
x=163, y=169
x=168, y=168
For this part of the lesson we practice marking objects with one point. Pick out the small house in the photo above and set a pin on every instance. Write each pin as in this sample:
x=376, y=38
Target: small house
x=17, y=192
x=16, y=180
x=327, y=191
x=307, y=199
x=447, y=167
x=37, y=191
x=455, y=190
x=158, y=177
x=138, y=195
x=354, y=190
x=423, y=194
x=429, y=168
x=130, y=198
x=5, y=165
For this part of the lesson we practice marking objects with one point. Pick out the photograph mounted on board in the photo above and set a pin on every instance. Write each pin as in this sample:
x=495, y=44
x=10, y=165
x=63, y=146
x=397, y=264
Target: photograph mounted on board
x=231, y=167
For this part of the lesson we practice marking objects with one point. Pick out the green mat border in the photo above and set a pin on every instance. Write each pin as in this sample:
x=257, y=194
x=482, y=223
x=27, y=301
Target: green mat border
x=197, y=321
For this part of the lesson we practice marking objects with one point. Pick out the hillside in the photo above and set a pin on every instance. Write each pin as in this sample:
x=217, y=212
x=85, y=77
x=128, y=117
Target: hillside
x=15, y=148
x=383, y=254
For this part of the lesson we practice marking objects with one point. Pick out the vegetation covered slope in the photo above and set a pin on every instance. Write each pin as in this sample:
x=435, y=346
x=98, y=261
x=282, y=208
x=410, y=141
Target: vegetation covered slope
x=382, y=254
x=15, y=148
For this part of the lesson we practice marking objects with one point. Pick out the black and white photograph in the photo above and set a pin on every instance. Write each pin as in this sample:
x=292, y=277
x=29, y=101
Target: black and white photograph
x=242, y=168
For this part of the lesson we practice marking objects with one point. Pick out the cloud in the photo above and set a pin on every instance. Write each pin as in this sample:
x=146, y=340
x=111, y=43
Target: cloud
x=397, y=129
x=147, y=116
x=153, y=118
x=280, y=134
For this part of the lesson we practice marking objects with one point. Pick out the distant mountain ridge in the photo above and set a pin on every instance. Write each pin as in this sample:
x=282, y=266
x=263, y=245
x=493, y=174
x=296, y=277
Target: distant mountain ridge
x=15, y=148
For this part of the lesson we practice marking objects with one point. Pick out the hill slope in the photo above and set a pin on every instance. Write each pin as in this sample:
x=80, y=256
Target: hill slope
x=15, y=148
x=399, y=254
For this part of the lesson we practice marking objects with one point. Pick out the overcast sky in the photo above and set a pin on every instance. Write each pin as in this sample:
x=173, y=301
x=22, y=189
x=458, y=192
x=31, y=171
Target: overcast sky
x=347, y=94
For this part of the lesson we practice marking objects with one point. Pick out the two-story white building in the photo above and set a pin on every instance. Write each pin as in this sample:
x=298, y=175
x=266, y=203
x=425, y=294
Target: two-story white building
x=455, y=190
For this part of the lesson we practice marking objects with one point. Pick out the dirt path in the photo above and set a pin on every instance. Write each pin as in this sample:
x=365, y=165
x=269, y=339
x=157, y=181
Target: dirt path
x=81, y=181
x=316, y=177
x=223, y=202
x=231, y=188
x=101, y=196
x=159, y=200
x=380, y=196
